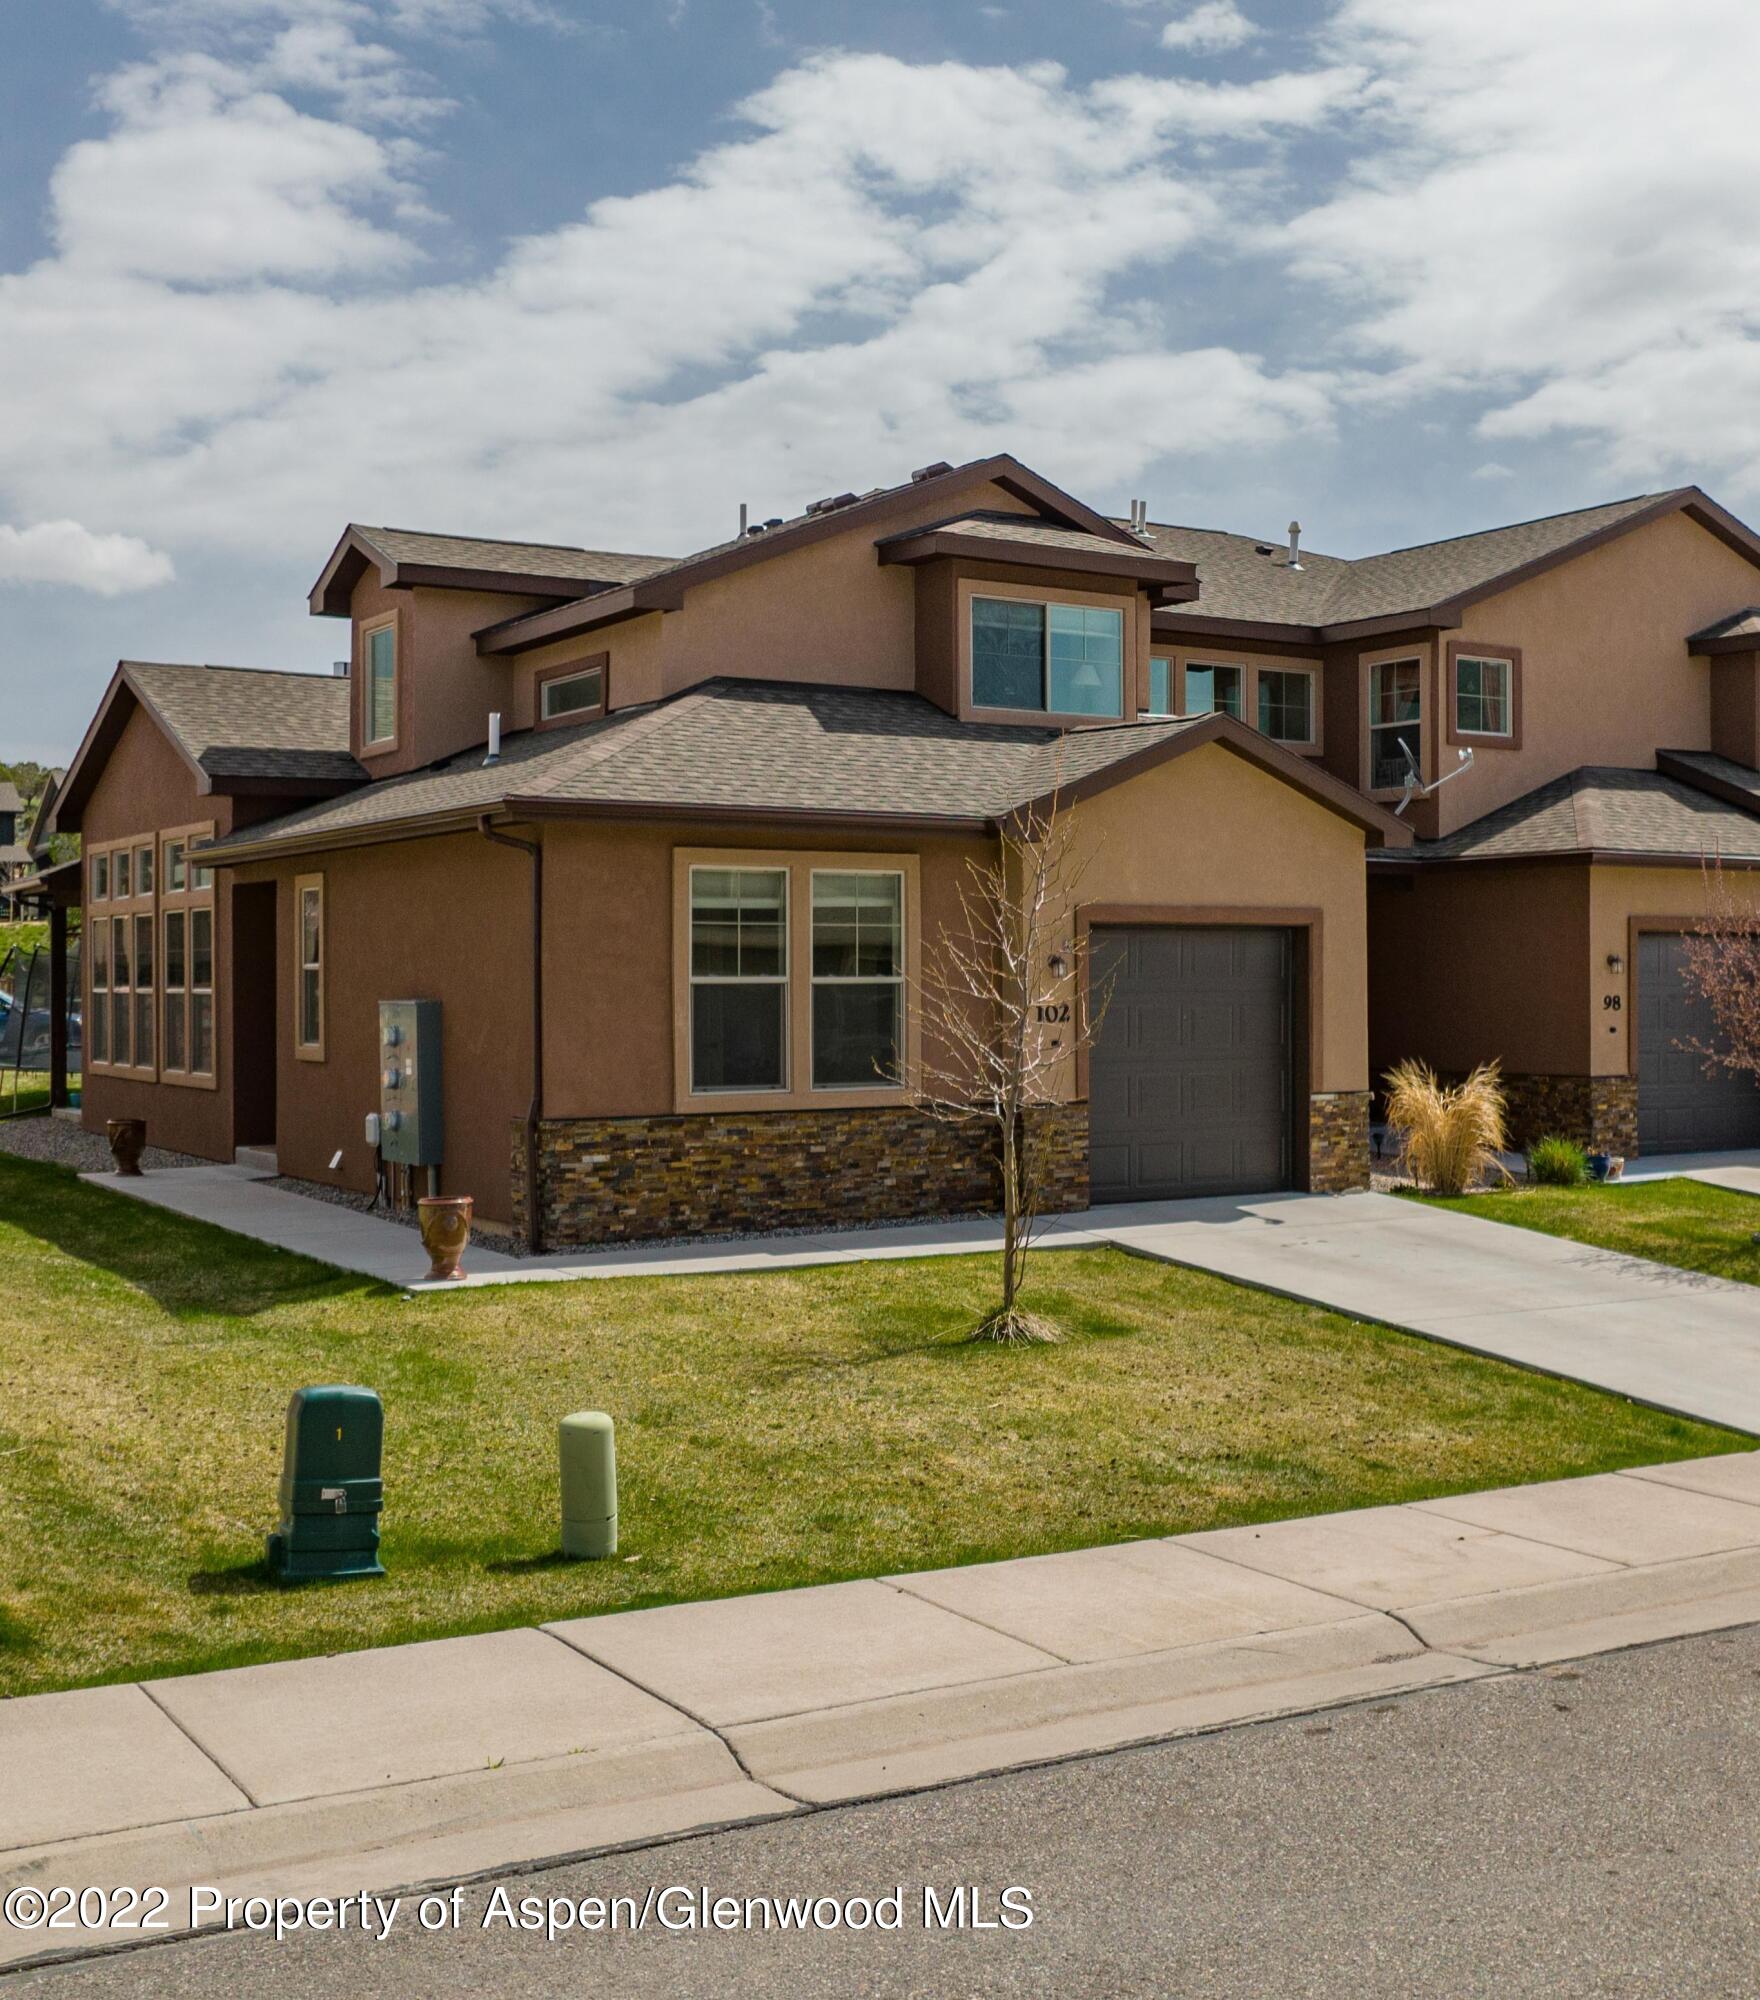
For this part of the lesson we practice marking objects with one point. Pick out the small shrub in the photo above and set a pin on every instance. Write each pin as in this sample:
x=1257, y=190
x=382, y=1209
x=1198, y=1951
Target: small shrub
x=1449, y=1135
x=1556, y=1162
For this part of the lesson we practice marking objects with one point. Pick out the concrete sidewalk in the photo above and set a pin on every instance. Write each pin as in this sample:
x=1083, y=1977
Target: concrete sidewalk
x=426, y=1763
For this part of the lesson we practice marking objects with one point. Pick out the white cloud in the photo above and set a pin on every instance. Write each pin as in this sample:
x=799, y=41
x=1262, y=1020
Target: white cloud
x=64, y=552
x=873, y=271
x=1210, y=28
x=1551, y=207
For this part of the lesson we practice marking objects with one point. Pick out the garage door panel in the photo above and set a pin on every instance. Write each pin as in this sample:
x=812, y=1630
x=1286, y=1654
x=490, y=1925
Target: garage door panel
x=1681, y=1107
x=1191, y=1075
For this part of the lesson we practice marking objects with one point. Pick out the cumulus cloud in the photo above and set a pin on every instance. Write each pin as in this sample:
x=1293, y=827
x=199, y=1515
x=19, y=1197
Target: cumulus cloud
x=64, y=552
x=1210, y=28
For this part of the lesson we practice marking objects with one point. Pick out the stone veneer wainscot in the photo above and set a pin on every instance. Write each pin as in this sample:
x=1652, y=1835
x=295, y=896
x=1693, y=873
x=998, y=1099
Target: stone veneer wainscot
x=1338, y=1141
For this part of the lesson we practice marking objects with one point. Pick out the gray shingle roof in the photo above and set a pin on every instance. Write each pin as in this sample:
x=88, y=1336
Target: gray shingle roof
x=242, y=722
x=10, y=802
x=1024, y=528
x=1605, y=810
x=1236, y=580
x=560, y=560
x=748, y=746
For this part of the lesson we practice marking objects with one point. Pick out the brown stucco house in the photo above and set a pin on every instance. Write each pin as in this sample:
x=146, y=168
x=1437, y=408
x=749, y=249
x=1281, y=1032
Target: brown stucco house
x=671, y=920
x=1602, y=668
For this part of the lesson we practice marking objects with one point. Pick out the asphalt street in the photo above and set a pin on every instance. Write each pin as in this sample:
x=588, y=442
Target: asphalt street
x=1584, y=1830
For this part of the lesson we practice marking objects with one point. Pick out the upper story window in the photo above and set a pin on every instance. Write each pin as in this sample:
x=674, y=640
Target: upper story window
x=1057, y=659
x=1215, y=691
x=576, y=693
x=739, y=979
x=380, y=720
x=1286, y=705
x=1395, y=722
x=1482, y=696
x=1160, y=687
x=100, y=878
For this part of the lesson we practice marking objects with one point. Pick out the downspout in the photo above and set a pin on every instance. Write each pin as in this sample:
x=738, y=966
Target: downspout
x=535, y=1110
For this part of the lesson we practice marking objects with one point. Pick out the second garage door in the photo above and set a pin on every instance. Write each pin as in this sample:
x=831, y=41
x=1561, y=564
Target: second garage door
x=1191, y=1079
x=1681, y=1109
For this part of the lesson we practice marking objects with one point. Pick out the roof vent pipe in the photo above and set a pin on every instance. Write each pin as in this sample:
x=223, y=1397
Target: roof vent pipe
x=340, y=669
x=494, y=756
x=1295, y=545
x=742, y=517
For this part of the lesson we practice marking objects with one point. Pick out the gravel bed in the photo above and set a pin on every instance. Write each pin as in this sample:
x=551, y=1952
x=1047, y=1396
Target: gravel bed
x=65, y=1144
x=340, y=1197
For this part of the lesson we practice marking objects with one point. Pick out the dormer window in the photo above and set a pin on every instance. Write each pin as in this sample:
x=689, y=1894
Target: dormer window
x=379, y=723
x=574, y=693
x=1054, y=659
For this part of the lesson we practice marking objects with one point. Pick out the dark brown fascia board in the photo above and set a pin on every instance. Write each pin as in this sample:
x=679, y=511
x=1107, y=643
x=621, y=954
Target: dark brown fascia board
x=1738, y=642
x=1672, y=765
x=733, y=815
x=1394, y=625
x=665, y=592
x=1177, y=581
x=1601, y=857
x=1300, y=772
x=355, y=554
x=253, y=785
x=1198, y=626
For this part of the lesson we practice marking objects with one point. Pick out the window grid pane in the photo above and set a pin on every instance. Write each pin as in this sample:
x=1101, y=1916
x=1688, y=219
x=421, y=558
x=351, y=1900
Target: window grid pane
x=175, y=1005
x=381, y=685
x=1008, y=653
x=1213, y=691
x=858, y=966
x=1395, y=722
x=1160, y=687
x=174, y=868
x=1482, y=697
x=739, y=978
x=1286, y=706
x=1087, y=660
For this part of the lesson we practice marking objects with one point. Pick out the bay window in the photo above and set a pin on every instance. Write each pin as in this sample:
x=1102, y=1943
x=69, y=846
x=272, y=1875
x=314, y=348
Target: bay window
x=1055, y=659
x=739, y=979
x=858, y=975
x=1395, y=722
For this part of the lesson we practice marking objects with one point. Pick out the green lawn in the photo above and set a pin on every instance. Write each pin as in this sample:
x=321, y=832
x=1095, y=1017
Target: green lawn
x=28, y=936
x=1682, y=1222
x=773, y=1429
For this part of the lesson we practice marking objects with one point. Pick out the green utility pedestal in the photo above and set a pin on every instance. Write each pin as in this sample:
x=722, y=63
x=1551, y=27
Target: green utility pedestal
x=331, y=1492
x=589, y=1484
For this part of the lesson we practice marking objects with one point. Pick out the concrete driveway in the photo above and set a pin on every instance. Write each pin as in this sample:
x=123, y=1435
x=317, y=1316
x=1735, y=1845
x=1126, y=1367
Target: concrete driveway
x=1674, y=1338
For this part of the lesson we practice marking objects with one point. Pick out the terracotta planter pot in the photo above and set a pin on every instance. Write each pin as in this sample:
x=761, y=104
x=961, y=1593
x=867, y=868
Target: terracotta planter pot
x=446, y=1229
x=128, y=1141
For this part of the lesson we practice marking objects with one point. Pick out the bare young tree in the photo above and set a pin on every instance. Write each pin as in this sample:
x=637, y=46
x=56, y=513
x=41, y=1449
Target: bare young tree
x=1004, y=1004
x=1723, y=966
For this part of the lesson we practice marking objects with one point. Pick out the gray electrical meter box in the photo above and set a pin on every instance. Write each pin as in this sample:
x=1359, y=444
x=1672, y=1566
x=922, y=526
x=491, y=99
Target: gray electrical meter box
x=409, y=1082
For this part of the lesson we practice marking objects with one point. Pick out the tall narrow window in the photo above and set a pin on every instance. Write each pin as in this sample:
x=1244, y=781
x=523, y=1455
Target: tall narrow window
x=1160, y=687
x=175, y=879
x=382, y=684
x=1286, y=706
x=1481, y=697
x=1214, y=691
x=1395, y=722
x=121, y=997
x=858, y=972
x=119, y=873
x=1060, y=659
x=143, y=991
x=739, y=979
x=143, y=871
x=97, y=1021
x=100, y=878
x=201, y=991
x=309, y=891
x=173, y=977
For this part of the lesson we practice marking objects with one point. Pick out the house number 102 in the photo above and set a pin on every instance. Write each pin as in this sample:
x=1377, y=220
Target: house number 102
x=1057, y=1012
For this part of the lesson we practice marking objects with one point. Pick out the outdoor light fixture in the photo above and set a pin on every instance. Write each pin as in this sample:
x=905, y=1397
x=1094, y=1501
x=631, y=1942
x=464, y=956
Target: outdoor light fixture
x=1059, y=965
x=1615, y=964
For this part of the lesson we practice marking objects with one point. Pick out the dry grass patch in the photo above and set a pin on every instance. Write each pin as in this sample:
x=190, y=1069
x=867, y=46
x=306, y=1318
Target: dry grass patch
x=774, y=1429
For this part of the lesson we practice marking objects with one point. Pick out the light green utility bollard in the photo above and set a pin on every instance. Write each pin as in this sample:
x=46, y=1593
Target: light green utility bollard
x=589, y=1484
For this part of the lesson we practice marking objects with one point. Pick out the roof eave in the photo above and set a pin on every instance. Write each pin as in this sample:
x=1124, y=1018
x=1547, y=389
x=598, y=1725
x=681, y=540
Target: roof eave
x=1174, y=580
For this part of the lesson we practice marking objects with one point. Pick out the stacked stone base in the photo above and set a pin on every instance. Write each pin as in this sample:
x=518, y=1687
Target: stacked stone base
x=631, y=1180
x=1599, y=1112
x=1338, y=1141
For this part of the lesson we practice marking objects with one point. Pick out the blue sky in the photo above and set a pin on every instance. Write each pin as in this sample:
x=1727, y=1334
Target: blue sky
x=1400, y=268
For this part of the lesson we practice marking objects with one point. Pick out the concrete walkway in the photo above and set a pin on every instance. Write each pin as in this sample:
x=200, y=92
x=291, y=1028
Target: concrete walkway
x=1680, y=1340
x=426, y=1763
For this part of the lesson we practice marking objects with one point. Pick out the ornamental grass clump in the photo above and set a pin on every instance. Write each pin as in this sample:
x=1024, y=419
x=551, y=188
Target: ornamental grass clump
x=1449, y=1135
x=1556, y=1162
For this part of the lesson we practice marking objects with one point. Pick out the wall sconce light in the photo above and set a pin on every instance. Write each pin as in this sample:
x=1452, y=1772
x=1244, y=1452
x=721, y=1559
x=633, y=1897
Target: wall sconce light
x=1615, y=964
x=1059, y=965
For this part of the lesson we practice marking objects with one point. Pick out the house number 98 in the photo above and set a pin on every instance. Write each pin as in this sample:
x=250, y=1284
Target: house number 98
x=1611, y=1002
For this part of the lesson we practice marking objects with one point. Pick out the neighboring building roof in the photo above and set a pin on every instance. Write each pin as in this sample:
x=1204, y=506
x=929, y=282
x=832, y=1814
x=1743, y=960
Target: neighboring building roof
x=10, y=802
x=1603, y=811
x=737, y=749
x=1244, y=581
x=14, y=854
x=38, y=838
x=238, y=728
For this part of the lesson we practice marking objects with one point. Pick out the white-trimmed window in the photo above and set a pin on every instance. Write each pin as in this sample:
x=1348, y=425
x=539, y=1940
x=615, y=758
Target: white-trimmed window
x=738, y=979
x=308, y=894
x=1215, y=690
x=858, y=978
x=1058, y=659
x=143, y=990
x=1286, y=704
x=121, y=882
x=1396, y=711
x=121, y=995
x=176, y=877
x=143, y=871
x=1482, y=696
x=564, y=696
x=379, y=723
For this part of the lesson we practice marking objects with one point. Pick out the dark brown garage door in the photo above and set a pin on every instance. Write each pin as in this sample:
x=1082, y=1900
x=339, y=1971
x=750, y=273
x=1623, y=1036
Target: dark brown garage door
x=1680, y=1108
x=1190, y=1082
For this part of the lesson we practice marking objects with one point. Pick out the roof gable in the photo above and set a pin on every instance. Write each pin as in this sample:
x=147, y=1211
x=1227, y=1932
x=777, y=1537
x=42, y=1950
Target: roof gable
x=407, y=559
